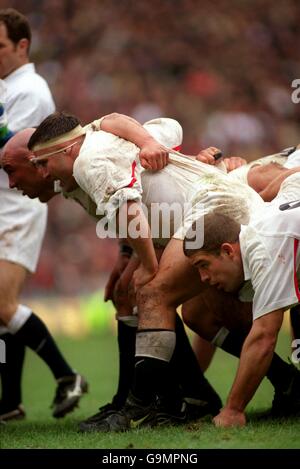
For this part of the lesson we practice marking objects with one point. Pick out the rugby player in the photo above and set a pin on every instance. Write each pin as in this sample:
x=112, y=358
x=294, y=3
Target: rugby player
x=105, y=176
x=258, y=261
x=27, y=100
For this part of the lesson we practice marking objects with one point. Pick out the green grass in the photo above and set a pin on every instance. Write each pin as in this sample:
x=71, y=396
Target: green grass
x=96, y=358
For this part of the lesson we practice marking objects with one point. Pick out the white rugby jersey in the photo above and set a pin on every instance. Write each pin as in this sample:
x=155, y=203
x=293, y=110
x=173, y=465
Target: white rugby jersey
x=109, y=171
x=27, y=102
x=270, y=252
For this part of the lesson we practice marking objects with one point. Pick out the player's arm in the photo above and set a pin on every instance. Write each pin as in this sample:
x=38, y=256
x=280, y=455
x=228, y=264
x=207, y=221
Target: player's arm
x=153, y=155
x=209, y=155
x=139, y=237
x=255, y=360
x=213, y=155
x=272, y=189
x=233, y=162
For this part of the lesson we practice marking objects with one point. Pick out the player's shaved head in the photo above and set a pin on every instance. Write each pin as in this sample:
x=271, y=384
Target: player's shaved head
x=18, y=142
x=22, y=174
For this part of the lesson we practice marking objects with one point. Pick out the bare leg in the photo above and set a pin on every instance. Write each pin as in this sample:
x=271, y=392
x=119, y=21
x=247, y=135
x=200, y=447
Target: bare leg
x=208, y=312
x=266, y=180
x=12, y=278
x=25, y=326
x=226, y=322
x=175, y=282
x=261, y=175
x=204, y=351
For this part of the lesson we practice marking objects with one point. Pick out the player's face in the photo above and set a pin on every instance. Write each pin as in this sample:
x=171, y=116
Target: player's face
x=225, y=271
x=59, y=166
x=9, y=53
x=23, y=176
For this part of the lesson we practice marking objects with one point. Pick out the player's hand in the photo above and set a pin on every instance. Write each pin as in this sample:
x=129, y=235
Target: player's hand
x=208, y=155
x=153, y=155
x=229, y=418
x=141, y=276
x=114, y=276
x=234, y=162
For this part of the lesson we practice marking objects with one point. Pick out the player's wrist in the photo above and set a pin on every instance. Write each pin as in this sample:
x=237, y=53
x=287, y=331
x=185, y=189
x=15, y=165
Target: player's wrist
x=234, y=406
x=148, y=140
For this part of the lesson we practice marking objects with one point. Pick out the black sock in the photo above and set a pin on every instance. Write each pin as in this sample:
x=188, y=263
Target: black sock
x=11, y=372
x=233, y=343
x=147, y=371
x=295, y=321
x=185, y=364
x=153, y=374
x=35, y=335
x=154, y=377
x=126, y=343
x=279, y=372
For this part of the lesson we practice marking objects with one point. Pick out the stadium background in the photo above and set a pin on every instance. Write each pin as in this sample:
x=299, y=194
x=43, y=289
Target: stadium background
x=224, y=69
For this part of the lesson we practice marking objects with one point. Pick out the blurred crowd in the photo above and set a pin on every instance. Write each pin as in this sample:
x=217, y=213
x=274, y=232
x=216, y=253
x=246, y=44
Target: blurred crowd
x=223, y=68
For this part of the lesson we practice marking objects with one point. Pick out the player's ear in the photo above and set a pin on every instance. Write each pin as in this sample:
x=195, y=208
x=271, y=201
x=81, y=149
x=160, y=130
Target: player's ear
x=43, y=170
x=227, y=249
x=23, y=47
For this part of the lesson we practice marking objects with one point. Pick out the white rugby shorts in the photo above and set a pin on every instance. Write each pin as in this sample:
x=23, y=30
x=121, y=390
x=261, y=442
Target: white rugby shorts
x=22, y=228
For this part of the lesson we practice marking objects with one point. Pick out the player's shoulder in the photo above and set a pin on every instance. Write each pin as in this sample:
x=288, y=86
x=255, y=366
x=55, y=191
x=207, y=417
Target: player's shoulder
x=34, y=85
x=99, y=143
x=28, y=83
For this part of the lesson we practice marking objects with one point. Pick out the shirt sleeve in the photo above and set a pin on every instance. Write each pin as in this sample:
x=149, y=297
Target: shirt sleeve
x=108, y=170
x=278, y=287
x=95, y=125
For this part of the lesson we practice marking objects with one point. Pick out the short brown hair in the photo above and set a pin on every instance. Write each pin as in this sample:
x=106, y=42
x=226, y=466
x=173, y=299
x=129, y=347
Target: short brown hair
x=53, y=126
x=218, y=229
x=16, y=24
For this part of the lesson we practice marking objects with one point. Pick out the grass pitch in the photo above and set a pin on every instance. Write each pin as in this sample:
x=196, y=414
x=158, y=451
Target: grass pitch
x=96, y=358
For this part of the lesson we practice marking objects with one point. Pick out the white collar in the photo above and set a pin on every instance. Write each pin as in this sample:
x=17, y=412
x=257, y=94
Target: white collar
x=19, y=71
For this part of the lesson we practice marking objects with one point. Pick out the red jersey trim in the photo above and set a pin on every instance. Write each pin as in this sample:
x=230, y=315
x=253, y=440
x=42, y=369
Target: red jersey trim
x=133, y=167
x=177, y=148
x=133, y=178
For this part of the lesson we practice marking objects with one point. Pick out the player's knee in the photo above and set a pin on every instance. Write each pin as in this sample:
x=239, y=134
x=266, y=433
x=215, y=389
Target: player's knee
x=151, y=293
x=12, y=279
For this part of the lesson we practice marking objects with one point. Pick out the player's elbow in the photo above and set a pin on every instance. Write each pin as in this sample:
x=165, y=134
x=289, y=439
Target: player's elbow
x=112, y=116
